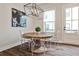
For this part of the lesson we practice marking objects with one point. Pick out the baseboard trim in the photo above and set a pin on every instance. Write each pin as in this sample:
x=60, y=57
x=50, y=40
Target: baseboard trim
x=18, y=43
x=65, y=44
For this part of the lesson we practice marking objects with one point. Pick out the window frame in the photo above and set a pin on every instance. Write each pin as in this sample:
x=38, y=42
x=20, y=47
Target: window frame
x=53, y=21
x=71, y=29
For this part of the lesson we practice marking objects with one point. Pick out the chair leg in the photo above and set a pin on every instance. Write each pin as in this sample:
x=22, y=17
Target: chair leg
x=32, y=46
x=22, y=43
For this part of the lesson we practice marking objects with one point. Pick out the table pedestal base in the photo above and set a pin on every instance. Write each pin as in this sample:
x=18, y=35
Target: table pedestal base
x=40, y=50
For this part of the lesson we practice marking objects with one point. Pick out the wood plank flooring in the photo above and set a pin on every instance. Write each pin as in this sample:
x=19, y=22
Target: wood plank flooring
x=56, y=50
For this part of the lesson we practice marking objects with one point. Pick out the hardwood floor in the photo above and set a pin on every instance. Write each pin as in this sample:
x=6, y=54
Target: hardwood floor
x=56, y=50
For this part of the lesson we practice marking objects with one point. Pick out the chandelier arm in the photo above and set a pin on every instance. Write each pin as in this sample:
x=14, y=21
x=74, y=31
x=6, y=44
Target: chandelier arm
x=35, y=10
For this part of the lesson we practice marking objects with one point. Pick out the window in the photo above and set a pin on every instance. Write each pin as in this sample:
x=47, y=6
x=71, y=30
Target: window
x=49, y=21
x=71, y=19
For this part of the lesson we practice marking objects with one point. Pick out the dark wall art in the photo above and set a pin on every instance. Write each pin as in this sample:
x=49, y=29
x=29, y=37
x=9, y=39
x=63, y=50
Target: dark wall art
x=18, y=18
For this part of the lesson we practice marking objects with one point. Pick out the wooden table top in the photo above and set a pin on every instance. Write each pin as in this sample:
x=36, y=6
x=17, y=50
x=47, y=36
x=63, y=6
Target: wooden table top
x=41, y=35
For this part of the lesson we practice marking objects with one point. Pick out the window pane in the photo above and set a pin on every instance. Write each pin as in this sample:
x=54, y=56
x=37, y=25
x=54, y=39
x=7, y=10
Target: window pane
x=53, y=15
x=50, y=26
x=49, y=16
x=74, y=25
x=75, y=13
x=68, y=25
x=68, y=14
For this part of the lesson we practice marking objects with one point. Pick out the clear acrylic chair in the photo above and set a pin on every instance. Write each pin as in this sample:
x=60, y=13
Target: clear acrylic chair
x=23, y=41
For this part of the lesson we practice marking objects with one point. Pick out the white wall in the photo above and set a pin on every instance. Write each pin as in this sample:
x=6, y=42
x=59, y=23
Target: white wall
x=72, y=38
x=9, y=36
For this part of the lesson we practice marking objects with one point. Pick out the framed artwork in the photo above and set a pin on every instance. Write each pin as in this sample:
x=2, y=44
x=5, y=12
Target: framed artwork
x=18, y=18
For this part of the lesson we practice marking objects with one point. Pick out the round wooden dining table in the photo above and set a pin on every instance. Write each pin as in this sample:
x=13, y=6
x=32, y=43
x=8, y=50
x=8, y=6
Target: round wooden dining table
x=36, y=38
